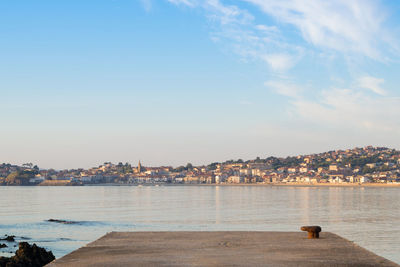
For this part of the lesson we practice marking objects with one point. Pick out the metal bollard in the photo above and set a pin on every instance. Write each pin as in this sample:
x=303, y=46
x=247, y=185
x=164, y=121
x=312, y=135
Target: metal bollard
x=313, y=231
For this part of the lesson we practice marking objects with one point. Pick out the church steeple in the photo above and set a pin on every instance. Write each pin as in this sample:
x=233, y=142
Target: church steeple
x=139, y=167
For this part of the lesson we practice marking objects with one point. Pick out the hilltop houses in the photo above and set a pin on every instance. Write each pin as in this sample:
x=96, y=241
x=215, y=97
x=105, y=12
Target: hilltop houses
x=353, y=166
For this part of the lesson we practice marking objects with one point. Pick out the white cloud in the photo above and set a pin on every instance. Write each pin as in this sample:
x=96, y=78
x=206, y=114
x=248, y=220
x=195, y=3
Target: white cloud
x=328, y=31
x=372, y=83
x=227, y=14
x=190, y=3
x=342, y=109
x=354, y=26
x=147, y=4
x=267, y=28
x=279, y=62
x=284, y=88
x=235, y=28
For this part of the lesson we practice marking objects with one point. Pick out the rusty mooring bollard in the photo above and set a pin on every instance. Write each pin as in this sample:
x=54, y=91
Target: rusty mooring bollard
x=313, y=231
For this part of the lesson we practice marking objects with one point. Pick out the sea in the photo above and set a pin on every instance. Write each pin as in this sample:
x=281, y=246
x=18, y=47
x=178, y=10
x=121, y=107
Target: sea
x=368, y=216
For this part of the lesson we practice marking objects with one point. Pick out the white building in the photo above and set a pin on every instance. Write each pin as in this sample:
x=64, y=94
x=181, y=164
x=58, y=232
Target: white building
x=257, y=172
x=36, y=179
x=364, y=179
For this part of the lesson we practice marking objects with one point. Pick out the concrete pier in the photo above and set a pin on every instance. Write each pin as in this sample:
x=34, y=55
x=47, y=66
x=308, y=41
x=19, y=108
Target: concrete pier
x=220, y=249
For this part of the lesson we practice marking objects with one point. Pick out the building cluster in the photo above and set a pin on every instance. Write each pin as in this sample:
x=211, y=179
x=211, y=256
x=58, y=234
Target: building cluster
x=358, y=165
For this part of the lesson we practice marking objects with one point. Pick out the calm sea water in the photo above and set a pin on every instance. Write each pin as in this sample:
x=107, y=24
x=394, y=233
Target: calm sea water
x=368, y=216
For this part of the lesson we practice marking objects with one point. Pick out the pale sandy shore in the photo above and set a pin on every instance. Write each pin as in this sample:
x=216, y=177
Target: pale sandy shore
x=220, y=249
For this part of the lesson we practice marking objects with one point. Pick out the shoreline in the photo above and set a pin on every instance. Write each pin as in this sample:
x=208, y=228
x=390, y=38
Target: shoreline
x=305, y=185
x=260, y=185
x=265, y=185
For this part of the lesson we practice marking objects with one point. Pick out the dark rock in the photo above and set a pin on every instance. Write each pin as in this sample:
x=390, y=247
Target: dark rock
x=313, y=231
x=28, y=256
x=61, y=221
x=3, y=261
x=65, y=239
x=3, y=246
x=9, y=238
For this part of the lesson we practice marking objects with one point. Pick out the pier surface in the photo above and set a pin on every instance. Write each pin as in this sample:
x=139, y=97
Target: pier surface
x=220, y=249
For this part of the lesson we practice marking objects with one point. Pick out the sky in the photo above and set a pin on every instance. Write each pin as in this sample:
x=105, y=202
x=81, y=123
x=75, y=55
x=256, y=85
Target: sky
x=169, y=82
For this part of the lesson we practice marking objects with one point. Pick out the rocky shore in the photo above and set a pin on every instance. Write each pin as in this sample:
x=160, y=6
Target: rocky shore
x=8, y=238
x=26, y=256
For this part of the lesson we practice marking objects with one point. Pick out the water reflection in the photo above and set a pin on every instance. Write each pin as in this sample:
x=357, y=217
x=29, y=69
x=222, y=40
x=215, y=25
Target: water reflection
x=217, y=205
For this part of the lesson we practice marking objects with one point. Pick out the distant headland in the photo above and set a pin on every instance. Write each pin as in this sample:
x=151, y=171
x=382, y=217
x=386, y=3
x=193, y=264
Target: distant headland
x=358, y=166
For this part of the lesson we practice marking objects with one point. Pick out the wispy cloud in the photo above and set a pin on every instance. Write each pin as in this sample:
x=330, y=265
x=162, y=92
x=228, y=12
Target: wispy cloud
x=227, y=14
x=284, y=88
x=190, y=3
x=279, y=62
x=237, y=28
x=347, y=26
x=147, y=4
x=266, y=28
x=299, y=29
x=346, y=109
x=342, y=108
x=372, y=83
x=351, y=27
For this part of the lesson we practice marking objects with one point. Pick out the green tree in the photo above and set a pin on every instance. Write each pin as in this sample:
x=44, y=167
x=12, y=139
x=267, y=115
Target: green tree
x=189, y=166
x=212, y=166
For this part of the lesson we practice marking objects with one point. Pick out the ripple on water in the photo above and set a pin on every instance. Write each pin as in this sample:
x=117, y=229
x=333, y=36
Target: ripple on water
x=353, y=213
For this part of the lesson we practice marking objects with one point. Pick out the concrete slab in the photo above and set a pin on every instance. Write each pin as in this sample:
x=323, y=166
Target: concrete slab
x=220, y=249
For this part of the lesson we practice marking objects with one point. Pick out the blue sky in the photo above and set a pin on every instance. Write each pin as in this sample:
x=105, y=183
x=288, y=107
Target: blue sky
x=176, y=81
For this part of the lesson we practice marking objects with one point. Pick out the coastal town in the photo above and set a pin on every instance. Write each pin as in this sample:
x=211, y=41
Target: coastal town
x=367, y=165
